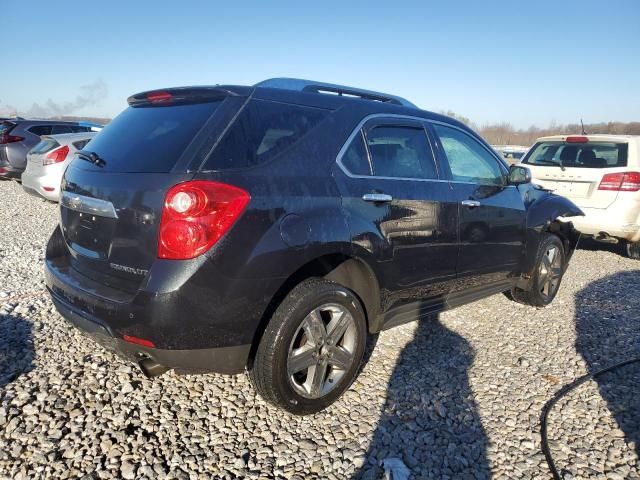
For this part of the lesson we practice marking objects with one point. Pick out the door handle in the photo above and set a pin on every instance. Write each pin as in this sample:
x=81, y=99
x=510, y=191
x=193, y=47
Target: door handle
x=470, y=203
x=377, y=197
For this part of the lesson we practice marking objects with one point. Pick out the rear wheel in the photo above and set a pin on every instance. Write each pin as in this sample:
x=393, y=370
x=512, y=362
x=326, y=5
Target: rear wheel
x=312, y=348
x=545, y=283
x=632, y=250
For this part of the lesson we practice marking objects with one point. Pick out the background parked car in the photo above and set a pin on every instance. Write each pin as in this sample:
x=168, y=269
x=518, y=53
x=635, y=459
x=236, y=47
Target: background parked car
x=17, y=137
x=600, y=174
x=47, y=161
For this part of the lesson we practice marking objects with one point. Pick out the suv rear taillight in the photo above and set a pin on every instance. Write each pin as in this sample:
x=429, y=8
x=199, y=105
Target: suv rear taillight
x=4, y=139
x=621, y=182
x=196, y=215
x=56, y=156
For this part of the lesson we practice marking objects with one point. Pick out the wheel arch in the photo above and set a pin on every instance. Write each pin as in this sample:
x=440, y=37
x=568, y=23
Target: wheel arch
x=543, y=217
x=349, y=271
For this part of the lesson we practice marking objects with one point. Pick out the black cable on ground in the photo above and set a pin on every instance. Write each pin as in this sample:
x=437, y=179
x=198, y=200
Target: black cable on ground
x=558, y=395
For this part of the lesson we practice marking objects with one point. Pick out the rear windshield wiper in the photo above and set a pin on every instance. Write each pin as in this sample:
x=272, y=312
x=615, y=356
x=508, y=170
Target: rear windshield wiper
x=91, y=157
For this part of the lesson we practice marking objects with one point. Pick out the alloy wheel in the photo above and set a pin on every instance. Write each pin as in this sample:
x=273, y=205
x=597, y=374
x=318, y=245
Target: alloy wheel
x=322, y=350
x=550, y=272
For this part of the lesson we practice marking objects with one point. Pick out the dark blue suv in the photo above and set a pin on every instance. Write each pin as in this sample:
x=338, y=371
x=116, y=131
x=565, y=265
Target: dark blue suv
x=272, y=228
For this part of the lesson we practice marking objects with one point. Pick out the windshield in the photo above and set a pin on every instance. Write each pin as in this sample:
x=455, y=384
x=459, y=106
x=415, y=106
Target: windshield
x=581, y=155
x=149, y=138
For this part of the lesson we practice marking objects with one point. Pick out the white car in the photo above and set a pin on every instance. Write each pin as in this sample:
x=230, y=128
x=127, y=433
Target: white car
x=601, y=175
x=47, y=161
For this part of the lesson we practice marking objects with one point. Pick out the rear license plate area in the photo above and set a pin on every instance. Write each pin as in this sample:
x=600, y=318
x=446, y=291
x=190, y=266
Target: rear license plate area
x=89, y=235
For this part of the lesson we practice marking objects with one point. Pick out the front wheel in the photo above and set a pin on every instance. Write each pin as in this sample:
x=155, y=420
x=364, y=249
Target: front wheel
x=547, y=276
x=312, y=348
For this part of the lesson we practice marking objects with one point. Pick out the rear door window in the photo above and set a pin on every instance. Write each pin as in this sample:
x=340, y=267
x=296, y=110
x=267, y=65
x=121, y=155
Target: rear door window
x=580, y=155
x=40, y=130
x=262, y=131
x=58, y=129
x=79, y=128
x=150, y=138
x=400, y=152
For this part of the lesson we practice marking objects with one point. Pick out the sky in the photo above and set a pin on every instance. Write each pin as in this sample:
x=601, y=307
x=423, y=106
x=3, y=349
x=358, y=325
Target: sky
x=526, y=63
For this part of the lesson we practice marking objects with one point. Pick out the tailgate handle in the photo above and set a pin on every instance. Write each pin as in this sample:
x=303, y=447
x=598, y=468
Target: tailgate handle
x=377, y=197
x=470, y=203
x=89, y=205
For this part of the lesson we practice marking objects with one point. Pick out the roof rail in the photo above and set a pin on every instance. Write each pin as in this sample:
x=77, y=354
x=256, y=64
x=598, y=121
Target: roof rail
x=300, y=85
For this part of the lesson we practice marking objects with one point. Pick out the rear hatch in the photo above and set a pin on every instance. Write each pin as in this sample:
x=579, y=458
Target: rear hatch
x=114, y=189
x=575, y=167
x=36, y=155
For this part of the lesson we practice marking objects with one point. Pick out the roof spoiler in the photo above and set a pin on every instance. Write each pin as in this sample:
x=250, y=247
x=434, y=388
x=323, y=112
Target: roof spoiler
x=300, y=85
x=170, y=96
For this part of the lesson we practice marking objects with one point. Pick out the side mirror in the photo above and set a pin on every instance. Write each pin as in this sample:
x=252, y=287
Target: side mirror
x=519, y=175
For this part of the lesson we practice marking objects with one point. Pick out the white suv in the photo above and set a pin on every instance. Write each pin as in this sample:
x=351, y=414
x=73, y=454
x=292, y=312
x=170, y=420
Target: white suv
x=601, y=175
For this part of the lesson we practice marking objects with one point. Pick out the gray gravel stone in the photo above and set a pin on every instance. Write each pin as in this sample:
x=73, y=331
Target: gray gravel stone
x=454, y=397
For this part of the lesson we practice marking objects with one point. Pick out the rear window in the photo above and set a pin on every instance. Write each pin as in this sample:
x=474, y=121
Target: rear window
x=262, y=131
x=581, y=155
x=6, y=127
x=44, y=146
x=150, y=138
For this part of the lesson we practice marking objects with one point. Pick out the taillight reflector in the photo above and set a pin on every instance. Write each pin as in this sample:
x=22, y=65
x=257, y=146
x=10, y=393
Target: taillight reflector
x=196, y=215
x=138, y=341
x=56, y=156
x=621, y=182
x=4, y=139
x=576, y=139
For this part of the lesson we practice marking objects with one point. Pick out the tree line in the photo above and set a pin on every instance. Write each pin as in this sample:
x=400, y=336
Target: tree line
x=504, y=133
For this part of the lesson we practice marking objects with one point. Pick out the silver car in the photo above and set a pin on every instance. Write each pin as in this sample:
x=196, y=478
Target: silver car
x=47, y=161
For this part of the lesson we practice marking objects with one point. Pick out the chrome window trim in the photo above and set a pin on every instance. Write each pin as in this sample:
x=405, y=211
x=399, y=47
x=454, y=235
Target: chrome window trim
x=358, y=129
x=88, y=205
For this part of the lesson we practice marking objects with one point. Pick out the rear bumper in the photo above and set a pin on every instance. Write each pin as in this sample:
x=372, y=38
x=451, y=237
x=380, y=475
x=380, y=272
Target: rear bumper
x=46, y=186
x=620, y=220
x=226, y=360
x=10, y=172
x=196, y=319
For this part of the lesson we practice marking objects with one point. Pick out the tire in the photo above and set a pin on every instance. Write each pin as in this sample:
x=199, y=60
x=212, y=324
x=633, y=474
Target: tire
x=295, y=338
x=632, y=250
x=544, y=288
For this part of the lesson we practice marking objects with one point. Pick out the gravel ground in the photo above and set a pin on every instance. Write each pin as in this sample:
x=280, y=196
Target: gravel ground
x=456, y=397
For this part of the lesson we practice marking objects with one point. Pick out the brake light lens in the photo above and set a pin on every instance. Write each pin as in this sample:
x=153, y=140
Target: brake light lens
x=159, y=96
x=196, y=215
x=576, y=139
x=56, y=156
x=4, y=139
x=621, y=182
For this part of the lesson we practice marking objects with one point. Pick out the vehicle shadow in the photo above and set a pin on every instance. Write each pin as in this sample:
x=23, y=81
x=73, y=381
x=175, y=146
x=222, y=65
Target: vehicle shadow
x=16, y=348
x=608, y=332
x=429, y=419
x=591, y=245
